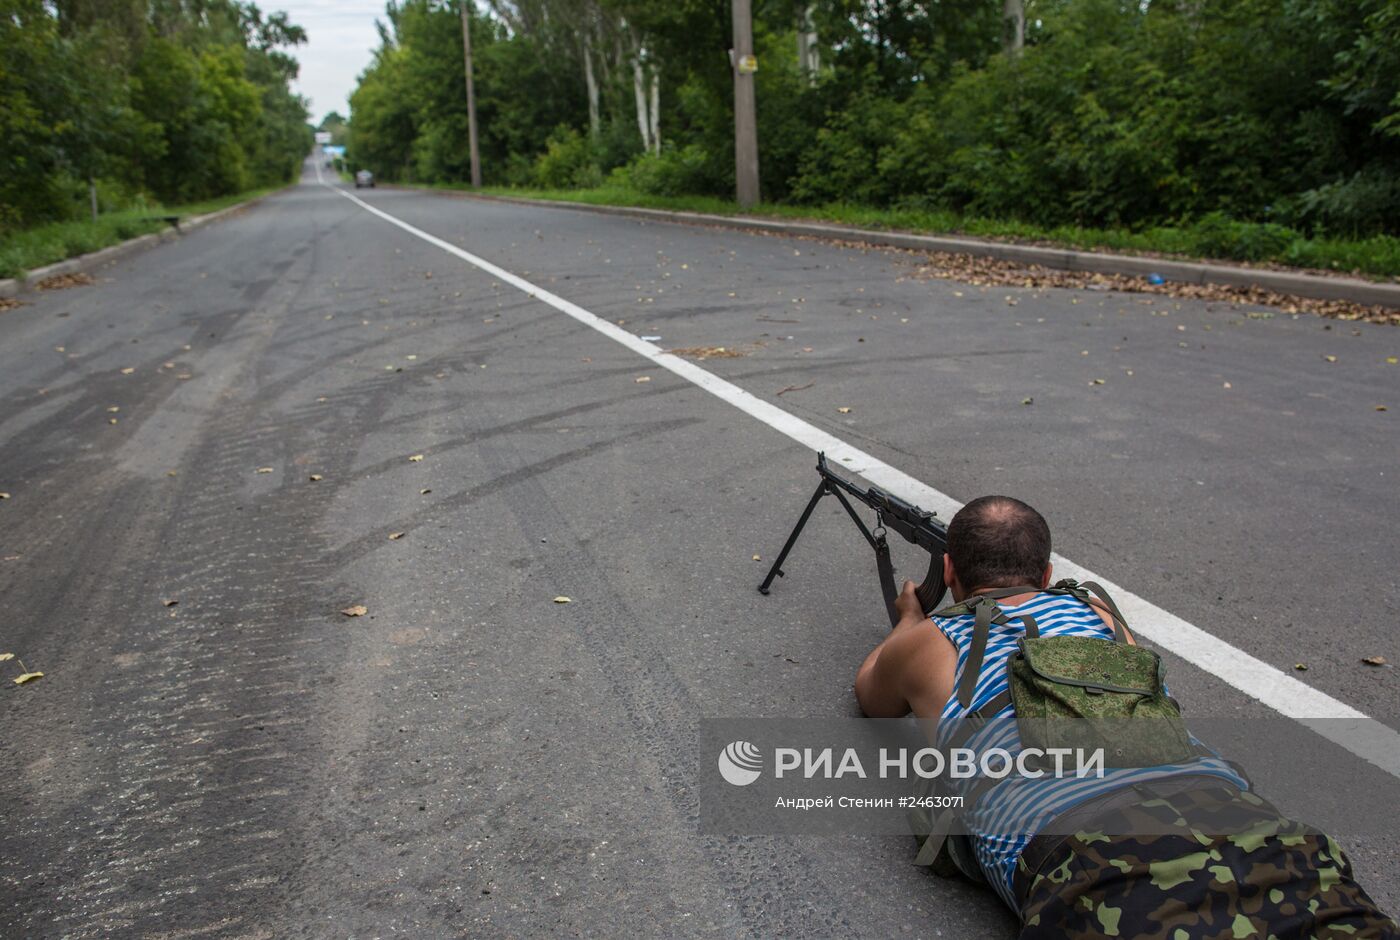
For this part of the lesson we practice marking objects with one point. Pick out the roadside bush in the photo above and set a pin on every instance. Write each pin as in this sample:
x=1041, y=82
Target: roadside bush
x=846, y=161
x=1217, y=235
x=1379, y=254
x=567, y=162
x=675, y=171
x=1366, y=203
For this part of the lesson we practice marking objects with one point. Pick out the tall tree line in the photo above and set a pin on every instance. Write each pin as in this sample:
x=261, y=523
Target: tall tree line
x=1093, y=112
x=176, y=100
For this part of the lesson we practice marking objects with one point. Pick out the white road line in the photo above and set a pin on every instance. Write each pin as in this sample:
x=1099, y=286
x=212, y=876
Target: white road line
x=1334, y=720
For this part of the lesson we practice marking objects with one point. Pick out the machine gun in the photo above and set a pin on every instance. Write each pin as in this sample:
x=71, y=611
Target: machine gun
x=914, y=524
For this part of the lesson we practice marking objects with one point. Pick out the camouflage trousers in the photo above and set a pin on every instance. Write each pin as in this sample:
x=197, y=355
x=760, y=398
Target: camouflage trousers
x=1212, y=863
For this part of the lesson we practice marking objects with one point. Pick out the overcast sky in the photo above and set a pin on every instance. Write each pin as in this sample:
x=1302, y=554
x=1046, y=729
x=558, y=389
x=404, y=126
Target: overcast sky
x=341, y=38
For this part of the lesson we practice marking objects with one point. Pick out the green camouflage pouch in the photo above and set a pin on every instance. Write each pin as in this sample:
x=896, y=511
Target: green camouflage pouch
x=1085, y=694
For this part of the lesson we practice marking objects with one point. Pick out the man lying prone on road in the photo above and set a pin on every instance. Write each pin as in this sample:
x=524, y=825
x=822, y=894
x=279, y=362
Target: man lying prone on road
x=1168, y=842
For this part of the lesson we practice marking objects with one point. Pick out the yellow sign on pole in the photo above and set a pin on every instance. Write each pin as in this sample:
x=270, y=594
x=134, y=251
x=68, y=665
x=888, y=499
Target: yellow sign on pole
x=748, y=64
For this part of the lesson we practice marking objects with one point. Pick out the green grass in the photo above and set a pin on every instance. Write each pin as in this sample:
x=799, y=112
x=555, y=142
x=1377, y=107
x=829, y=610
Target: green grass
x=45, y=244
x=1377, y=257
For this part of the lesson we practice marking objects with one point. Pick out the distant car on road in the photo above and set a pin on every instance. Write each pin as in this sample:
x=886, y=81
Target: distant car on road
x=364, y=178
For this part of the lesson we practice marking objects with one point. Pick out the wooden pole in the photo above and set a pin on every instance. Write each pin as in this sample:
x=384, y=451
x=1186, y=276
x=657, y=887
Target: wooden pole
x=745, y=121
x=471, y=93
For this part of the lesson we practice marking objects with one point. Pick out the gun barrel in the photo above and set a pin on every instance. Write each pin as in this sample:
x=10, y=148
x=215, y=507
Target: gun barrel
x=916, y=525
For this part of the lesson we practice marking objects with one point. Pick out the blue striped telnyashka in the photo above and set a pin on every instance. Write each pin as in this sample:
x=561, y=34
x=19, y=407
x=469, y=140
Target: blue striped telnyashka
x=1012, y=812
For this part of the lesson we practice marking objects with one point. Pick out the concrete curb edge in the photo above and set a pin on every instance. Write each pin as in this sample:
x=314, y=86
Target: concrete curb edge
x=1317, y=287
x=13, y=287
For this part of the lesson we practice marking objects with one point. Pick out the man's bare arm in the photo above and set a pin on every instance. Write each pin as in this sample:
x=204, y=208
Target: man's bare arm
x=905, y=671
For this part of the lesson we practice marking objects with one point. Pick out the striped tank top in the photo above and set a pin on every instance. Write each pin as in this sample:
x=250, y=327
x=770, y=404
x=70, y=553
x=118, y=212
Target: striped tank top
x=1009, y=815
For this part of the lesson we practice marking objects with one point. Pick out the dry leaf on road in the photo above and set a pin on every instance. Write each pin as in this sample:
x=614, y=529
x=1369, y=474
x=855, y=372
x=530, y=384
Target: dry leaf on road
x=358, y=610
x=171, y=601
x=28, y=677
x=128, y=371
x=416, y=458
x=642, y=378
x=844, y=410
x=1374, y=660
x=264, y=469
x=561, y=599
x=316, y=478
x=395, y=536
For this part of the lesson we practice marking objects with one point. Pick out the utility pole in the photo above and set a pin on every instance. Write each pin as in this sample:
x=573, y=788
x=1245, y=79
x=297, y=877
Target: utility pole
x=745, y=122
x=471, y=93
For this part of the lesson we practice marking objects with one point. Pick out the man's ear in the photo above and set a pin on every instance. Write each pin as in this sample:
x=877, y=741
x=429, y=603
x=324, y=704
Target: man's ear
x=1045, y=578
x=950, y=576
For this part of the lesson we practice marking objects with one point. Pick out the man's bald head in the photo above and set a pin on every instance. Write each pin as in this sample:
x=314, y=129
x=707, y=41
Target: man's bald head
x=997, y=541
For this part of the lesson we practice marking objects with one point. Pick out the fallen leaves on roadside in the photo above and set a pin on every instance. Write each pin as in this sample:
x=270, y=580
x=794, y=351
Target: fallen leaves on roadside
x=416, y=458
x=1028, y=401
x=1330, y=358
x=1393, y=360
x=424, y=492
x=756, y=558
x=642, y=378
x=993, y=272
x=707, y=352
x=395, y=536
x=316, y=478
x=1382, y=408
x=4, y=495
x=1096, y=382
x=25, y=674
x=65, y=281
x=358, y=610
x=1374, y=660
x=114, y=409
x=844, y=410
x=128, y=370
x=1301, y=667
x=171, y=601
x=562, y=599
x=264, y=470
x=9, y=303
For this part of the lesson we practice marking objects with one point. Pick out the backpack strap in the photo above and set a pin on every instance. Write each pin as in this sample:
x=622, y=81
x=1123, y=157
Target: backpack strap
x=1101, y=601
x=985, y=609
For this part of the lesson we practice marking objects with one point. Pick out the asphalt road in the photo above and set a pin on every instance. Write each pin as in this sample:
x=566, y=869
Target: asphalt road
x=471, y=758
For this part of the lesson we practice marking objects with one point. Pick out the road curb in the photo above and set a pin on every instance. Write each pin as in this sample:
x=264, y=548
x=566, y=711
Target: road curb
x=13, y=287
x=1318, y=287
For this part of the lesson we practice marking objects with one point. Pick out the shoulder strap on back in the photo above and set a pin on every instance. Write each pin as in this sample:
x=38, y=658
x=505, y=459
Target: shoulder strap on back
x=987, y=612
x=1102, y=601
